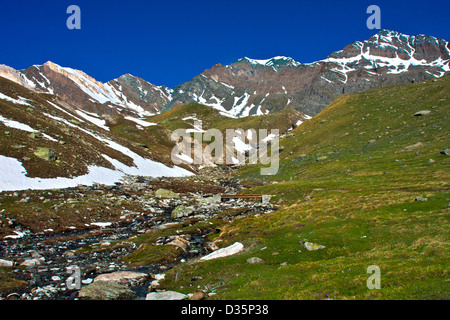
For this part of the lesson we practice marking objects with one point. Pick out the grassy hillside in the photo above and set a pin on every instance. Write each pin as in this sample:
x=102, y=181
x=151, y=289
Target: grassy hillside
x=211, y=118
x=367, y=180
x=185, y=116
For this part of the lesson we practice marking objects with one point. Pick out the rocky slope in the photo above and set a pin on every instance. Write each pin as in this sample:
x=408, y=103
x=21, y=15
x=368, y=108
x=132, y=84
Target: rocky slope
x=46, y=143
x=60, y=123
x=126, y=95
x=250, y=86
x=101, y=230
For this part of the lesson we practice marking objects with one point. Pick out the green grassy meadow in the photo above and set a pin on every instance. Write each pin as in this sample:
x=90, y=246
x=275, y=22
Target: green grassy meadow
x=348, y=180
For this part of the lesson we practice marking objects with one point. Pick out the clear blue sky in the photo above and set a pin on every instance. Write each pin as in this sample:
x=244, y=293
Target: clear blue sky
x=169, y=42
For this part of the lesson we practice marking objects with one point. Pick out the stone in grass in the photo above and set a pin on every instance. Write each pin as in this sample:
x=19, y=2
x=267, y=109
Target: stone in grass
x=180, y=242
x=421, y=199
x=45, y=153
x=422, y=113
x=225, y=252
x=312, y=246
x=255, y=260
x=414, y=146
x=106, y=290
x=34, y=135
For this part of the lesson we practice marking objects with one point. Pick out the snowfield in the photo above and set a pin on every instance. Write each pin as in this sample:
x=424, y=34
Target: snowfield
x=13, y=175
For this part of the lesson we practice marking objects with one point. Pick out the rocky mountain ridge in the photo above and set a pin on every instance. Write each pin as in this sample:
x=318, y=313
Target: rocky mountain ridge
x=250, y=86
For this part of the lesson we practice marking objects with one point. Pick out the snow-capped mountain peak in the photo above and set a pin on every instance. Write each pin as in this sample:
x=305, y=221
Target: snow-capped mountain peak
x=395, y=53
x=254, y=86
x=275, y=61
x=257, y=86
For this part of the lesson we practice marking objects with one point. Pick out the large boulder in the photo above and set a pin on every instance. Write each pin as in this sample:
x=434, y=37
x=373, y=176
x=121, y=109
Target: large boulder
x=106, y=290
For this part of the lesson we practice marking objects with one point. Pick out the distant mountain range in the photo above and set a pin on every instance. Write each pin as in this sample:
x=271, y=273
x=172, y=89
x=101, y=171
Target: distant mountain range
x=250, y=86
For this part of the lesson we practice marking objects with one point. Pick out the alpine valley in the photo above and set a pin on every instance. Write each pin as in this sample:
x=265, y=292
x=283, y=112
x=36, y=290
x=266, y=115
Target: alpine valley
x=86, y=179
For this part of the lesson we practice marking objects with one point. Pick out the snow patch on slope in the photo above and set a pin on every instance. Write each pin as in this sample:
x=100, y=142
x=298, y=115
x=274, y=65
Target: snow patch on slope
x=21, y=100
x=24, y=127
x=93, y=118
x=13, y=174
x=100, y=92
x=141, y=122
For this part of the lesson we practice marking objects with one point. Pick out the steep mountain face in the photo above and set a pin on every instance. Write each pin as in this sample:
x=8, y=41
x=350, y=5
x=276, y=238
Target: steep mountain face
x=46, y=144
x=127, y=94
x=249, y=86
x=137, y=92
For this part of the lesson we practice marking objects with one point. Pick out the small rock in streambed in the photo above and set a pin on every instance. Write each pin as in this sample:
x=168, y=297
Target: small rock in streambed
x=199, y=295
x=166, y=194
x=181, y=211
x=32, y=262
x=6, y=263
